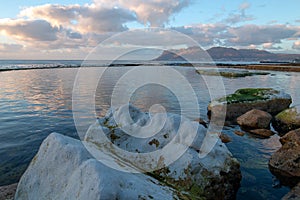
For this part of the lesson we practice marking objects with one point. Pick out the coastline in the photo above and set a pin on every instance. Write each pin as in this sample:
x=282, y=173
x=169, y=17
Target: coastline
x=271, y=67
x=285, y=67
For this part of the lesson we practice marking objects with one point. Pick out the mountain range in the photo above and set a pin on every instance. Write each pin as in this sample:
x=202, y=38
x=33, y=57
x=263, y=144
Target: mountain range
x=226, y=54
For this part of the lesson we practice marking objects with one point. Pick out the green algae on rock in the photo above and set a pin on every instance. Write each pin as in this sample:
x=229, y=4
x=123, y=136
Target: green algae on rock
x=249, y=94
x=287, y=120
x=243, y=100
x=229, y=73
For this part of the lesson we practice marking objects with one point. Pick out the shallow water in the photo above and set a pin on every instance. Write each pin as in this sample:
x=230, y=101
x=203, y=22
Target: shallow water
x=34, y=103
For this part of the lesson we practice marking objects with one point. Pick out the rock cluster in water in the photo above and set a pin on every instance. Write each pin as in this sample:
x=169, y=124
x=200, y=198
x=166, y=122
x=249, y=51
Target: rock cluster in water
x=244, y=100
x=254, y=109
x=64, y=169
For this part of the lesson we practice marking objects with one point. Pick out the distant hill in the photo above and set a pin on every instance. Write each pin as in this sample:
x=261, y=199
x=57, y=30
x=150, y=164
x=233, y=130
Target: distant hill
x=226, y=54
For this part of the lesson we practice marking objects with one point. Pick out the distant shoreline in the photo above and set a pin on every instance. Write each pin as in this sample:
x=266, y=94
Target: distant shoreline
x=287, y=67
x=272, y=67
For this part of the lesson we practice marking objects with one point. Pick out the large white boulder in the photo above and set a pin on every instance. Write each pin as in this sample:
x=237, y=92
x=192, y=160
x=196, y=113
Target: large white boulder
x=138, y=156
x=64, y=169
x=204, y=167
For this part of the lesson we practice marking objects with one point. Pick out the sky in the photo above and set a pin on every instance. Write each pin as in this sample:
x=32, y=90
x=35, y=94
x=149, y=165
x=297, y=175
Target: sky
x=65, y=29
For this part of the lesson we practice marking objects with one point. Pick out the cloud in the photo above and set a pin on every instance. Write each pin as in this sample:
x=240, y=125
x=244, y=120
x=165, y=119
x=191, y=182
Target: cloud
x=296, y=45
x=73, y=35
x=244, y=36
x=240, y=16
x=106, y=15
x=21, y=29
x=205, y=34
x=244, y=6
x=53, y=29
x=270, y=46
x=157, y=12
x=255, y=34
x=237, y=18
x=84, y=19
x=10, y=48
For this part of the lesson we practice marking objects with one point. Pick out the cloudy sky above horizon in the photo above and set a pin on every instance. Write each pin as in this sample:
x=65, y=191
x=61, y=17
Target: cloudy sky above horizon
x=66, y=30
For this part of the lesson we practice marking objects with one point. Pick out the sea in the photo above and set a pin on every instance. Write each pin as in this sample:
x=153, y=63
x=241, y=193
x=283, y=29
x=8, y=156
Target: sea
x=36, y=99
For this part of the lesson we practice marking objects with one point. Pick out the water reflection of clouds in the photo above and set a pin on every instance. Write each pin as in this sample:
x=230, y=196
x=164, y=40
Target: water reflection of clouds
x=38, y=90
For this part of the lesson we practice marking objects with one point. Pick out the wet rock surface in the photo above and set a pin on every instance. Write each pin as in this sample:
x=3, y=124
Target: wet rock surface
x=263, y=133
x=285, y=163
x=244, y=100
x=294, y=194
x=287, y=120
x=255, y=119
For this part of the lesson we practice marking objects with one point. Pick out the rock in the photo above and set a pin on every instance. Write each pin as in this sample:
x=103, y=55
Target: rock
x=287, y=120
x=255, y=119
x=285, y=163
x=8, y=192
x=197, y=177
x=239, y=133
x=225, y=138
x=294, y=194
x=244, y=100
x=229, y=73
x=265, y=133
x=64, y=169
x=202, y=122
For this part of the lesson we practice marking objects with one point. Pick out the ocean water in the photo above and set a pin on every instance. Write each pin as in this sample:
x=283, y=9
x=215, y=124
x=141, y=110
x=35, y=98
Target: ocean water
x=37, y=102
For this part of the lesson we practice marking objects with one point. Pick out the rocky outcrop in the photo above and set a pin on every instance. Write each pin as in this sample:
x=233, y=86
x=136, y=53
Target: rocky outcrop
x=64, y=169
x=294, y=194
x=244, y=100
x=264, y=133
x=7, y=192
x=255, y=119
x=287, y=120
x=285, y=163
x=229, y=73
x=191, y=174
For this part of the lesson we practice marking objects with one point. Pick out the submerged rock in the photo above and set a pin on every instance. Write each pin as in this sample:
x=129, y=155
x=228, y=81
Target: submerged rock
x=264, y=133
x=225, y=138
x=244, y=100
x=287, y=120
x=239, y=133
x=64, y=169
x=255, y=119
x=202, y=122
x=285, y=163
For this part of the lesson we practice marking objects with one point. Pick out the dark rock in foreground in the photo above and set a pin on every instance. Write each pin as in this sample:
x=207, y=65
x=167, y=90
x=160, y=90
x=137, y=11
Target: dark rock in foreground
x=244, y=100
x=287, y=120
x=8, y=192
x=285, y=163
x=255, y=119
x=294, y=194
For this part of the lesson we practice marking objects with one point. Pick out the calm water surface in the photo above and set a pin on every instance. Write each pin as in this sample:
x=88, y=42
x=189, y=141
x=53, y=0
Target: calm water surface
x=35, y=103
